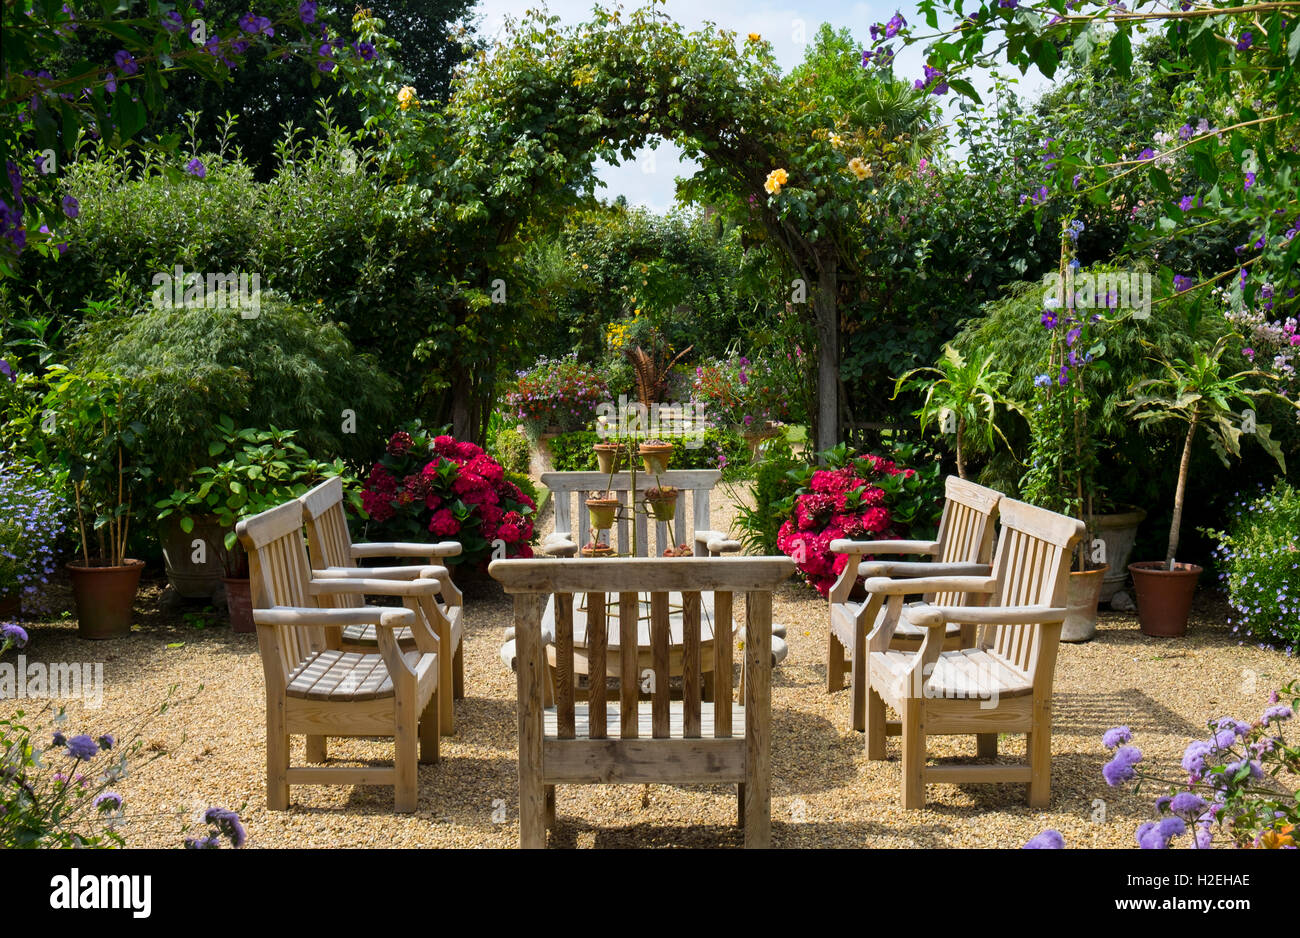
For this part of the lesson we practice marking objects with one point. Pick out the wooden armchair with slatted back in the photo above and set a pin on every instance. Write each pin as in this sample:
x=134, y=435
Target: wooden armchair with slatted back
x=315, y=688
x=686, y=741
x=1001, y=685
x=962, y=547
x=334, y=555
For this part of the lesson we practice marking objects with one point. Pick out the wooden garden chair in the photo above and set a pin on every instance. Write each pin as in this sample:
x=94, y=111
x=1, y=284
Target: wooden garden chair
x=316, y=688
x=662, y=741
x=963, y=547
x=1003, y=684
x=334, y=555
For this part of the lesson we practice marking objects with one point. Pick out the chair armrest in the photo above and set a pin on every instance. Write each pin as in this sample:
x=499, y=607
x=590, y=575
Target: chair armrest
x=858, y=548
x=413, y=572
x=424, y=587
x=715, y=542
x=304, y=617
x=559, y=545
x=396, y=549
x=927, y=615
x=909, y=568
x=932, y=584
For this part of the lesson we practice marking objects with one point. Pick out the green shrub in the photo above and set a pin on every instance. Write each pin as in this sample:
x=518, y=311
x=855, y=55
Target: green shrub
x=717, y=449
x=1259, y=556
x=284, y=368
x=525, y=483
x=510, y=447
x=775, y=481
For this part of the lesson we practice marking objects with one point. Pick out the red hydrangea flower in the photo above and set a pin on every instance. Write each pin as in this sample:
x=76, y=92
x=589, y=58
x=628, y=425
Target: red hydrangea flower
x=400, y=443
x=443, y=523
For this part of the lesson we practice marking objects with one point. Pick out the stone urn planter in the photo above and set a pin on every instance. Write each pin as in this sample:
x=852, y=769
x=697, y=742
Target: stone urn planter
x=189, y=579
x=1081, y=602
x=1118, y=532
x=104, y=594
x=1164, y=596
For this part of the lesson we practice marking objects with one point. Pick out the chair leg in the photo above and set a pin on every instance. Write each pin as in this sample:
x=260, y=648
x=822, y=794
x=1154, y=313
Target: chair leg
x=406, y=743
x=757, y=809
x=430, y=730
x=550, y=807
x=913, y=754
x=458, y=672
x=532, y=808
x=834, y=664
x=316, y=749
x=277, y=761
x=874, y=724
x=858, y=681
x=986, y=745
x=1039, y=747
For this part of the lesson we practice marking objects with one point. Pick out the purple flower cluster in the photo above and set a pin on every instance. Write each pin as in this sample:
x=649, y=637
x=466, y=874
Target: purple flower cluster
x=33, y=521
x=933, y=81
x=221, y=822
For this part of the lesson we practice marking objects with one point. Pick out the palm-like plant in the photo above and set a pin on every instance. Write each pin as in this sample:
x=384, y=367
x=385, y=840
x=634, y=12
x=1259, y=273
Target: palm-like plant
x=1201, y=393
x=962, y=398
x=903, y=111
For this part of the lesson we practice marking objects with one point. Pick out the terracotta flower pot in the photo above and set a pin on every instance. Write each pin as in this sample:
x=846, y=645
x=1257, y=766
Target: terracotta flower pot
x=607, y=455
x=1164, y=596
x=103, y=595
x=655, y=457
x=664, y=507
x=598, y=550
x=239, y=603
x=601, y=511
x=1081, y=602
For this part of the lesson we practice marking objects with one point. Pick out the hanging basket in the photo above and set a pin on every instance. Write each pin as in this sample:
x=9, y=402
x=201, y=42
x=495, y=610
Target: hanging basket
x=663, y=503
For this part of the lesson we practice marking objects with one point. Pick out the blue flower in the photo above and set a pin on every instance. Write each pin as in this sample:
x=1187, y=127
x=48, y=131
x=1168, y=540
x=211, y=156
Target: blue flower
x=1047, y=840
x=1042, y=381
x=1120, y=768
x=82, y=747
x=1119, y=734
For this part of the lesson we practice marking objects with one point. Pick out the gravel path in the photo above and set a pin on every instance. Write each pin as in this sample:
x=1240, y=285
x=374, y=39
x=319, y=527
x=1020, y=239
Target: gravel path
x=825, y=792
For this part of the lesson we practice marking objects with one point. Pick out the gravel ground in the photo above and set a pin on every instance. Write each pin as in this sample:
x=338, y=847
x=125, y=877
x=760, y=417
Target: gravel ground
x=210, y=743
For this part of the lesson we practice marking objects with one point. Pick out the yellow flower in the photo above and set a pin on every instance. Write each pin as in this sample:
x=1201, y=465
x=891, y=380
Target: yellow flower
x=859, y=168
x=775, y=180
x=406, y=97
x=754, y=37
x=584, y=266
x=837, y=140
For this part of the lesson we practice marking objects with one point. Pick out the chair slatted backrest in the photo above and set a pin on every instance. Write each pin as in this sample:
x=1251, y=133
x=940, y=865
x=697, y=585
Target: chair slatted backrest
x=1032, y=567
x=569, y=490
x=328, y=541
x=966, y=529
x=621, y=583
x=277, y=560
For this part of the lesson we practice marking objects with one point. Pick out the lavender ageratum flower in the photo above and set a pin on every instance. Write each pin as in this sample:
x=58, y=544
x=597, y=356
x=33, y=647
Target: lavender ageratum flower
x=1276, y=714
x=227, y=824
x=1047, y=840
x=1187, y=804
x=106, y=742
x=1120, y=768
x=211, y=842
x=109, y=801
x=126, y=62
x=196, y=168
x=71, y=207
x=82, y=747
x=59, y=739
x=1114, y=737
x=12, y=632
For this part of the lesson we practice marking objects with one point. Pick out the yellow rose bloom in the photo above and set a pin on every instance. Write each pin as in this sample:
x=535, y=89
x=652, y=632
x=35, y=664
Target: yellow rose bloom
x=406, y=97
x=754, y=37
x=859, y=168
x=775, y=180
x=837, y=140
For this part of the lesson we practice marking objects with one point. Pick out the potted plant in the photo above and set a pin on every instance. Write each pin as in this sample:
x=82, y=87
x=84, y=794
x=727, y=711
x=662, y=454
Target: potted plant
x=596, y=548
x=32, y=520
x=655, y=455
x=607, y=455
x=1199, y=393
x=601, y=509
x=262, y=469
x=90, y=438
x=662, y=500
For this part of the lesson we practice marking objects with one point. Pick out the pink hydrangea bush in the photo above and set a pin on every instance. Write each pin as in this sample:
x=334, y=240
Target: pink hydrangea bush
x=859, y=498
x=439, y=488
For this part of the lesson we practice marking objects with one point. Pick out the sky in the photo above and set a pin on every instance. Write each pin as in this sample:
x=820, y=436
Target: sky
x=648, y=180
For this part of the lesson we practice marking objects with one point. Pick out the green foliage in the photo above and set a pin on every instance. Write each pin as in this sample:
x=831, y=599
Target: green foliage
x=510, y=448
x=263, y=469
x=283, y=368
x=775, y=482
x=1258, y=559
x=716, y=448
